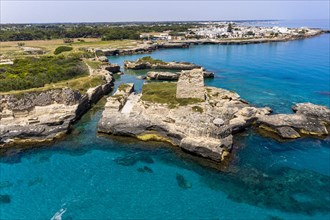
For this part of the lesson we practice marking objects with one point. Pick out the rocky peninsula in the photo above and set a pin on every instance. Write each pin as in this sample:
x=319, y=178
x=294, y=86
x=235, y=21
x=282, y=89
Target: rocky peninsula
x=200, y=120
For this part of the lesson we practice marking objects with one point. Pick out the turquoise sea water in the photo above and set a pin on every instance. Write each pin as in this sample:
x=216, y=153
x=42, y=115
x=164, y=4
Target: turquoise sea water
x=86, y=176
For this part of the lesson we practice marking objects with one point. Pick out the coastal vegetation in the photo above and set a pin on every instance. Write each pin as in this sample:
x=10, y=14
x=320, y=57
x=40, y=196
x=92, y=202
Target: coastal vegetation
x=32, y=72
x=82, y=84
x=61, y=49
x=106, y=31
x=150, y=60
x=93, y=64
x=165, y=93
x=197, y=109
x=123, y=87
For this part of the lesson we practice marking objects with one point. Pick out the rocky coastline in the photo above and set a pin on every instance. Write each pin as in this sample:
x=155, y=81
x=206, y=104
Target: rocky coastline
x=149, y=47
x=35, y=117
x=204, y=119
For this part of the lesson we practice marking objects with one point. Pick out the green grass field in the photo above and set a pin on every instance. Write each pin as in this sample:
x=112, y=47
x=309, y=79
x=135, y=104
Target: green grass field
x=164, y=93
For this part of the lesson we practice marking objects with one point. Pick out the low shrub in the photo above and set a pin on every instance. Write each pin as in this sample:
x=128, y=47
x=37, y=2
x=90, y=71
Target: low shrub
x=34, y=72
x=61, y=49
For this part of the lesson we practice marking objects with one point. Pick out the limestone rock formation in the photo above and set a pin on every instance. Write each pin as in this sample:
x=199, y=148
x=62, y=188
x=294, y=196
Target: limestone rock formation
x=42, y=116
x=162, y=75
x=103, y=59
x=113, y=68
x=170, y=76
x=309, y=119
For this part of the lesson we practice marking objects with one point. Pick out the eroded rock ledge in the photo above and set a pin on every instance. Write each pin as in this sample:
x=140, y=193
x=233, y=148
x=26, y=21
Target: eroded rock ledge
x=308, y=120
x=42, y=116
x=200, y=120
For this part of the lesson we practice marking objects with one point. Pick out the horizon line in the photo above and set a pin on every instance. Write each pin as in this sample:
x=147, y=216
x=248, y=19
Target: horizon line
x=163, y=21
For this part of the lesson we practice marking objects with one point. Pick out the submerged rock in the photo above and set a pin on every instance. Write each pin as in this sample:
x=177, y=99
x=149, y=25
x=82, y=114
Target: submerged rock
x=126, y=160
x=182, y=182
x=145, y=169
x=132, y=159
x=35, y=181
x=5, y=184
x=284, y=189
x=145, y=158
x=4, y=199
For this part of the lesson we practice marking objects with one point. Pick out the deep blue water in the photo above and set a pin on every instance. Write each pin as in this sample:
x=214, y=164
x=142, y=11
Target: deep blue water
x=99, y=177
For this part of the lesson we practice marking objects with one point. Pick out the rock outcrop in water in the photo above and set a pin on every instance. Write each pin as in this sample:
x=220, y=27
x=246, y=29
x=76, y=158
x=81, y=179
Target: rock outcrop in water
x=146, y=64
x=202, y=123
x=42, y=116
x=113, y=68
x=309, y=119
x=170, y=76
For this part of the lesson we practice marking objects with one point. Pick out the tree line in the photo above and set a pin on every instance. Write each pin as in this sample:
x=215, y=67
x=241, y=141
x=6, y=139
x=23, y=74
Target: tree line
x=45, y=32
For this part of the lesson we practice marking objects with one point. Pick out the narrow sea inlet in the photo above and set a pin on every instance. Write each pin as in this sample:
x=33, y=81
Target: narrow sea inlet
x=88, y=176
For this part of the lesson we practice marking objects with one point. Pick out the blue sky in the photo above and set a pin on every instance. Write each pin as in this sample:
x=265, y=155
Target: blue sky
x=43, y=11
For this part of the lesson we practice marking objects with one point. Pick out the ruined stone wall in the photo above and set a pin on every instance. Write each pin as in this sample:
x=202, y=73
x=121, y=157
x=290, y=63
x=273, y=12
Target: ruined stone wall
x=191, y=84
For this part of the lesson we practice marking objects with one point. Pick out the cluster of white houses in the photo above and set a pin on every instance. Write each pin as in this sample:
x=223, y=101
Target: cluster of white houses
x=213, y=32
x=228, y=30
x=156, y=35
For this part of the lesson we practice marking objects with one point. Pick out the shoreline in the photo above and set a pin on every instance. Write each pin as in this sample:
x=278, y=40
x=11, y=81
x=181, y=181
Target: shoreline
x=149, y=48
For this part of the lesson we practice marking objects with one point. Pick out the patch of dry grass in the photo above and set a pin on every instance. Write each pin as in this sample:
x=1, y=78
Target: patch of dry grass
x=11, y=48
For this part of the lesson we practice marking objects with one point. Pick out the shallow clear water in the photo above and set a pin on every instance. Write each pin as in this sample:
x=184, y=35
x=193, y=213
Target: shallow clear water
x=90, y=176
